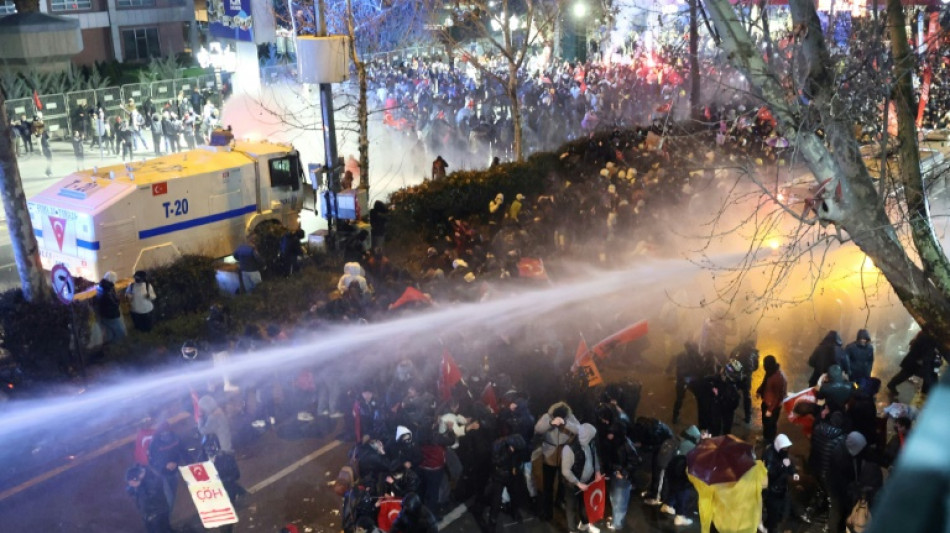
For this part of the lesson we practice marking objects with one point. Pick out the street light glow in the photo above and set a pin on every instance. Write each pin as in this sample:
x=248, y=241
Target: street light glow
x=580, y=10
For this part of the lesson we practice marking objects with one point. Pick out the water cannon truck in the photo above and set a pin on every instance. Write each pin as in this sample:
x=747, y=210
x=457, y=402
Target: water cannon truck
x=145, y=214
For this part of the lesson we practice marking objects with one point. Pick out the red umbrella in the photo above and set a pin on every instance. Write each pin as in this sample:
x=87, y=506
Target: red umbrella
x=720, y=459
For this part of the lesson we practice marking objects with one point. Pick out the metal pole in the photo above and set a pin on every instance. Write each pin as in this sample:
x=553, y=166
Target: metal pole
x=329, y=137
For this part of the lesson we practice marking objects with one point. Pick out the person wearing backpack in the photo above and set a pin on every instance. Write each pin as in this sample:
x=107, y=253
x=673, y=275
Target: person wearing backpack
x=140, y=295
x=580, y=466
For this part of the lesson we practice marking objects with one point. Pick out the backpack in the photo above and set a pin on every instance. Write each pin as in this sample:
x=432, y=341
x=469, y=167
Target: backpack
x=860, y=517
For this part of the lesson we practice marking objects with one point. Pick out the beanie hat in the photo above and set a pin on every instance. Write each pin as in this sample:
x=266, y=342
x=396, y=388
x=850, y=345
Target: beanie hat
x=855, y=442
x=781, y=442
x=110, y=276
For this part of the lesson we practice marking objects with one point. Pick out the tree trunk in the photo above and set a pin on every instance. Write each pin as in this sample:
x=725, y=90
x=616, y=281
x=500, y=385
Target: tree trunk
x=26, y=252
x=518, y=140
x=922, y=290
x=362, y=111
x=933, y=258
x=694, y=90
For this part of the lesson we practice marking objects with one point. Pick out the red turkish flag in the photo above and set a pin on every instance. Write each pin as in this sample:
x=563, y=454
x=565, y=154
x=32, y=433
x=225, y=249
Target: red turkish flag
x=489, y=398
x=806, y=422
x=581, y=354
x=389, y=509
x=529, y=267
x=411, y=294
x=629, y=334
x=159, y=189
x=595, y=500
x=199, y=472
x=449, y=375
x=36, y=100
x=143, y=439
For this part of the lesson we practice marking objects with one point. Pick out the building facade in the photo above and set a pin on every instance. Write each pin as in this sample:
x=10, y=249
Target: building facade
x=126, y=30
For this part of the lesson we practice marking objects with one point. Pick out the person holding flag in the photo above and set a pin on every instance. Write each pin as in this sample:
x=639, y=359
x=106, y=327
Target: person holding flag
x=580, y=467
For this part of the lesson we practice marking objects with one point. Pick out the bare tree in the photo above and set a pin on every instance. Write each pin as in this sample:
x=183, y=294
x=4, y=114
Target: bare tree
x=808, y=110
x=511, y=29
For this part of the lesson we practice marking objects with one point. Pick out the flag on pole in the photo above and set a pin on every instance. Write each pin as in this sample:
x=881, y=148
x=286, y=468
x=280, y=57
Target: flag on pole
x=450, y=375
x=36, y=100
x=589, y=369
x=582, y=352
x=628, y=334
x=489, y=398
x=389, y=509
x=595, y=500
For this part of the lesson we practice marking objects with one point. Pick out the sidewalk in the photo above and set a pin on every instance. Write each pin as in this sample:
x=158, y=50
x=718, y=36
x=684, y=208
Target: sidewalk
x=33, y=165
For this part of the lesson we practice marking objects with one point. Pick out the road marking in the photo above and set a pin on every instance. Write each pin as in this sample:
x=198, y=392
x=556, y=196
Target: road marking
x=283, y=473
x=79, y=461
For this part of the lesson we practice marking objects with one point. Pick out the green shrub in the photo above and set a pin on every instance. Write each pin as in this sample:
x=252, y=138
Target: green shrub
x=38, y=334
x=185, y=286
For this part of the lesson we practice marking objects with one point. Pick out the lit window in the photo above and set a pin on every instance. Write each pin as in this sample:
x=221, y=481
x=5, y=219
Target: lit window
x=135, y=3
x=7, y=7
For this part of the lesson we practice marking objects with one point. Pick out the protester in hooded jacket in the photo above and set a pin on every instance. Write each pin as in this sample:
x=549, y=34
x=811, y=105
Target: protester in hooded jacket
x=679, y=494
x=414, y=517
x=556, y=427
x=580, y=466
x=923, y=359
x=165, y=455
x=781, y=470
x=214, y=426
x=854, y=474
x=516, y=419
x=836, y=391
x=505, y=475
x=147, y=489
x=687, y=365
x=619, y=463
x=827, y=353
x=827, y=434
x=404, y=449
x=860, y=358
x=773, y=389
x=352, y=273
x=107, y=305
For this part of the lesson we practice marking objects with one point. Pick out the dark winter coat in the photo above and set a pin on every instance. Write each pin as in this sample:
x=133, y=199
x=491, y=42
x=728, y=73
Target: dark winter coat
x=150, y=498
x=166, y=448
x=414, y=517
x=780, y=469
x=836, y=391
x=861, y=358
x=506, y=457
x=107, y=301
x=518, y=422
x=827, y=353
x=825, y=439
x=922, y=356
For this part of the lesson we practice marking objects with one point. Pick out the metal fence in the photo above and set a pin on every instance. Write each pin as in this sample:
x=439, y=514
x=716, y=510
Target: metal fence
x=60, y=110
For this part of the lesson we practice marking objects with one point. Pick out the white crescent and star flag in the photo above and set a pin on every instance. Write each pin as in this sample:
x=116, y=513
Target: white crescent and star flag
x=595, y=500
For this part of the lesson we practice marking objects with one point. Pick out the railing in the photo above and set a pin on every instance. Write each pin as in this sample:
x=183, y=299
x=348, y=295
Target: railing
x=60, y=110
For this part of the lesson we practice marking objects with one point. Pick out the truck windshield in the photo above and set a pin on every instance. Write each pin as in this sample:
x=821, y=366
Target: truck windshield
x=285, y=172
